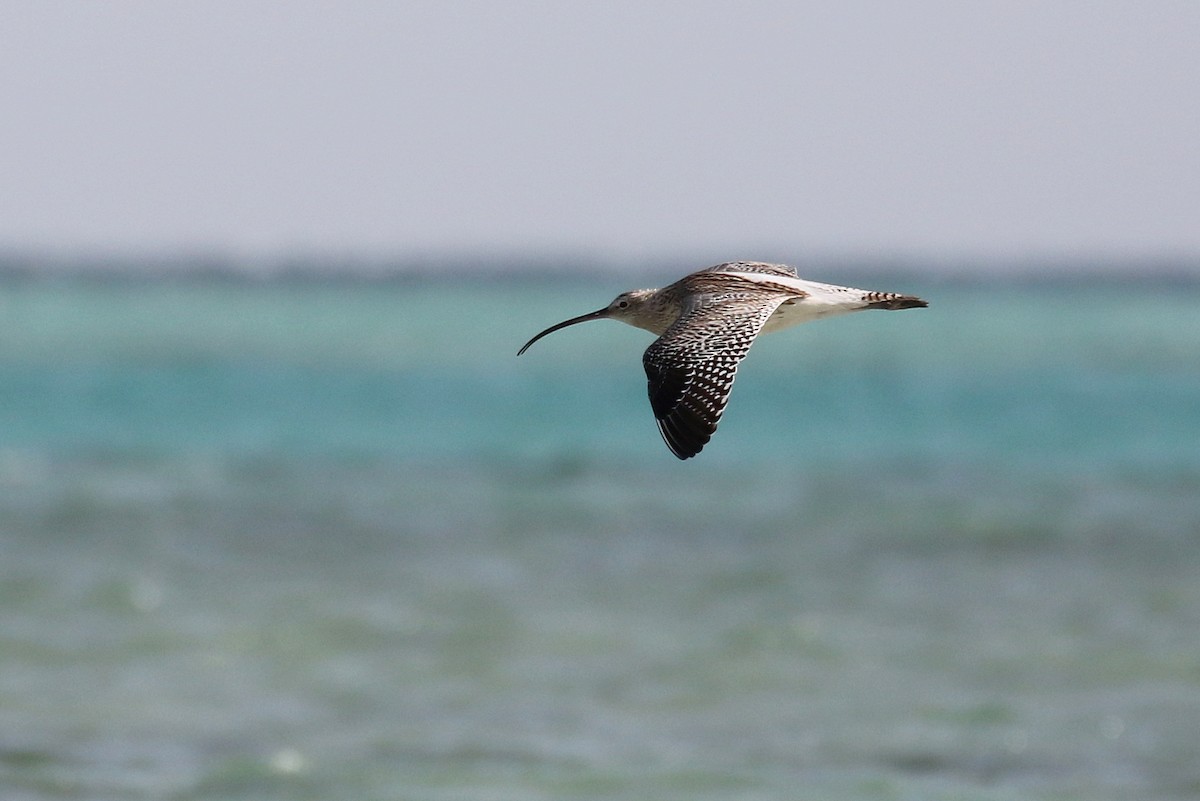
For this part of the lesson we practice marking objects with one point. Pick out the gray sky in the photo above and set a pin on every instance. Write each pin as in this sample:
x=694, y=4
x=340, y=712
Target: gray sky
x=951, y=128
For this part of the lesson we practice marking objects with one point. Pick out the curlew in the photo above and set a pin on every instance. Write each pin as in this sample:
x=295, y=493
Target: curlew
x=705, y=324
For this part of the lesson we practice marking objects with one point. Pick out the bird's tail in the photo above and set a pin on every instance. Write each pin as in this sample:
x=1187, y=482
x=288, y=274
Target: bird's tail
x=891, y=301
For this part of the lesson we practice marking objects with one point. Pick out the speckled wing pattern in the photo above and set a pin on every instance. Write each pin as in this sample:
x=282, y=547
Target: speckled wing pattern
x=752, y=267
x=691, y=367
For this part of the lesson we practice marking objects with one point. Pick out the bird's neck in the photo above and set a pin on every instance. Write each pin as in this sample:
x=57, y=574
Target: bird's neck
x=657, y=313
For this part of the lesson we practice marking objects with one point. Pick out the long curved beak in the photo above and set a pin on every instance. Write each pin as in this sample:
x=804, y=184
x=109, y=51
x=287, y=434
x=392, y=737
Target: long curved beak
x=583, y=318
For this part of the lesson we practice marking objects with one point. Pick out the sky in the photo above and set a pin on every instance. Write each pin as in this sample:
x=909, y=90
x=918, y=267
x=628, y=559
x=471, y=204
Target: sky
x=626, y=129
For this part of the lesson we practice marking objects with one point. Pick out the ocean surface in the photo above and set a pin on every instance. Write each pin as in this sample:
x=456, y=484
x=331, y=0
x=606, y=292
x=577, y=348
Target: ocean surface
x=334, y=540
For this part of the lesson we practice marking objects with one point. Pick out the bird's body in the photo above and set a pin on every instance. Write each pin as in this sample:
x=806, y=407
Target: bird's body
x=705, y=324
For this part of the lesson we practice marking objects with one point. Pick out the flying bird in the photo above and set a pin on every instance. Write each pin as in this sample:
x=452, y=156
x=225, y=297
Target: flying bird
x=705, y=324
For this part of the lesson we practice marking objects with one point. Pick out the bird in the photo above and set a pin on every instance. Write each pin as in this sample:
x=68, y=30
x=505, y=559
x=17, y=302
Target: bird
x=706, y=323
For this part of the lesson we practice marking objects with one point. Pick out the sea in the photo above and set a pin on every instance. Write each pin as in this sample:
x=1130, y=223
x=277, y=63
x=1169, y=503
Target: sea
x=331, y=538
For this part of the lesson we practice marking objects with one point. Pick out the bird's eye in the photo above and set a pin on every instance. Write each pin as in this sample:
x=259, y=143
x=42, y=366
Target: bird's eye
x=624, y=304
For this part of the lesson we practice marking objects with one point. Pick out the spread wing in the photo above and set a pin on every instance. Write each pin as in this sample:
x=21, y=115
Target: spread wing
x=752, y=267
x=691, y=367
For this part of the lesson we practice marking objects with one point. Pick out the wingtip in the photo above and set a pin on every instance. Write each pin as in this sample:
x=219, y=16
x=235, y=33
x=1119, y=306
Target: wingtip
x=683, y=441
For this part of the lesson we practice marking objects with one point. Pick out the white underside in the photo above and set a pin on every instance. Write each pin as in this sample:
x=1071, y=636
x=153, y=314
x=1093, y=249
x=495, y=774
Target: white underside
x=818, y=301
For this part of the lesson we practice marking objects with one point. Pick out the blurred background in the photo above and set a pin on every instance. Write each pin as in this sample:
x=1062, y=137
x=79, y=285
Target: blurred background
x=282, y=515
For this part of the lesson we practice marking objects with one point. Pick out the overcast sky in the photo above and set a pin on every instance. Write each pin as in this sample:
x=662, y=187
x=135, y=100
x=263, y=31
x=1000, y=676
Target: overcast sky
x=953, y=128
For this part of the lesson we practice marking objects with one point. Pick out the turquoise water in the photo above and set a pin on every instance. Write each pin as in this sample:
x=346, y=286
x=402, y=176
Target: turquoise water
x=335, y=540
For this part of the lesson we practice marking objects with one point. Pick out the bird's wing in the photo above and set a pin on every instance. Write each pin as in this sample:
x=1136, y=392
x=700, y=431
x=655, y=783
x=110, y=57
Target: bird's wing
x=752, y=267
x=691, y=367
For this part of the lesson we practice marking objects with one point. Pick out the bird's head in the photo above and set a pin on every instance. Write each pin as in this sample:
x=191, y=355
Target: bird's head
x=624, y=307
